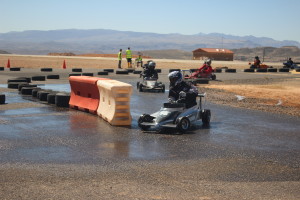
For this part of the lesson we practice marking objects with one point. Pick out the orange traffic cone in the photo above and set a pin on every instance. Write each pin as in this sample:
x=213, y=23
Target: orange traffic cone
x=8, y=64
x=64, y=65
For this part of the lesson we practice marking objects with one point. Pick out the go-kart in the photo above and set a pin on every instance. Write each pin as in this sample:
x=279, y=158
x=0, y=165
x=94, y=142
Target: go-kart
x=175, y=116
x=190, y=76
x=150, y=84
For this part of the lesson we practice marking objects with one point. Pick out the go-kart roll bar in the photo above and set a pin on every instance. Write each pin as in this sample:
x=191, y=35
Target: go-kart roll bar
x=200, y=101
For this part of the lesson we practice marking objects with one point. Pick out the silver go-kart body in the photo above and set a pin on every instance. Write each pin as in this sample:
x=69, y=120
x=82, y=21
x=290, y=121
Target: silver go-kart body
x=175, y=116
x=150, y=84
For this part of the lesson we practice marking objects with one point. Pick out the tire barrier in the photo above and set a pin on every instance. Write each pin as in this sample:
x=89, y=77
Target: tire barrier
x=249, y=70
x=230, y=70
x=62, y=100
x=51, y=98
x=46, y=69
x=263, y=70
x=202, y=81
x=1, y=68
x=14, y=85
x=2, y=98
x=137, y=72
x=103, y=73
x=158, y=70
x=130, y=70
x=297, y=70
x=114, y=105
x=217, y=70
x=52, y=76
x=28, y=79
x=272, y=70
x=38, y=78
x=284, y=70
x=35, y=91
x=42, y=95
x=27, y=90
x=74, y=75
x=76, y=70
x=172, y=70
x=108, y=70
x=25, y=85
x=17, y=80
x=15, y=69
x=85, y=93
x=87, y=74
x=121, y=71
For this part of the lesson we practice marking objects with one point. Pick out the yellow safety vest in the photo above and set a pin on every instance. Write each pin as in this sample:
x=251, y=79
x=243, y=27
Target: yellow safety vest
x=120, y=55
x=139, y=59
x=128, y=53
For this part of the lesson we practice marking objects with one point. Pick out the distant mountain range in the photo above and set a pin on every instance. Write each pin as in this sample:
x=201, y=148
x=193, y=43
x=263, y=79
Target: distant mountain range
x=110, y=41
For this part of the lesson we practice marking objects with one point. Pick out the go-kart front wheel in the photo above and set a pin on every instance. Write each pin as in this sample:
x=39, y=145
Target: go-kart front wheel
x=163, y=89
x=144, y=118
x=213, y=77
x=206, y=115
x=138, y=85
x=183, y=124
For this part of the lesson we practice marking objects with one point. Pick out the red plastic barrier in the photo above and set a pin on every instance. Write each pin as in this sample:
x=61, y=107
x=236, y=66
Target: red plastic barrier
x=85, y=93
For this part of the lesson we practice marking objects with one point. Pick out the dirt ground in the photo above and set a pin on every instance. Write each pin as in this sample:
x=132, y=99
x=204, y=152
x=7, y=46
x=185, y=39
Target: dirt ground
x=270, y=95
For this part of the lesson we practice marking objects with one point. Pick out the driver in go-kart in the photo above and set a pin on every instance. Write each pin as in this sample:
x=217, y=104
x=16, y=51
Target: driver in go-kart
x=181, y=91
x=150, y=72
x=205, y=71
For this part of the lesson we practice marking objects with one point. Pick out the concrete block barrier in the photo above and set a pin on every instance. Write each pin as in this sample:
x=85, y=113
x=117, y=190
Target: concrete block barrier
x=114, y=105
x=85, y=93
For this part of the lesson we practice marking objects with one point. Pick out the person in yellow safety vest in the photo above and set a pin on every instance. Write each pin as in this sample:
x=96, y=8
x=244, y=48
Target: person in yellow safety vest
x=129, y=57
x=120, y=59
x=139, y=60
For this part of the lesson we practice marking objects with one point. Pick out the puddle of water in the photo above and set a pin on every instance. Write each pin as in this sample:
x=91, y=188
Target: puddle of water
x=57, y=87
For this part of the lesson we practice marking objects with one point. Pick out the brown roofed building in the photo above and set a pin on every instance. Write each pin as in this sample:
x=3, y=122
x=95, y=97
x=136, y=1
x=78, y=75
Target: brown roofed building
x=214, y=54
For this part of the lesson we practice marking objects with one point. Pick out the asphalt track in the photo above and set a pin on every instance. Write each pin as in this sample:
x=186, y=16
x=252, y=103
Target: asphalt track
x=57, y=153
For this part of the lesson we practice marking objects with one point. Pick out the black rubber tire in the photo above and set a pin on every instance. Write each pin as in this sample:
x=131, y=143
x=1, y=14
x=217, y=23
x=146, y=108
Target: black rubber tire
x=103, y=73
x=272, y=69
x=130, y=70
x=17, y=80
x=262, y=70
x=76, y=70
x=35, y=91
x=22, y=85
x=137, y=72
x=53, y=76
x=121, y=71
x=14, y=85
x=230, y=70
x=137, y=85
x=172, y=70
x=51, y=98
x=87, y=74
x=297, y=70
x=163, y=90
x=62, y=100
x=74, y=75
x=2, y=98
x=42, y=95
x=38, y=78
x=26, y=90
x=141, y=120
x=157, y=70
x=213, y=77
x=249, y=70
x=203, y=81
x=284, y=70
x=15, y=69
x=108, y=70
x=1, y=68
x=141, y=87
x=206, y=115
x=193, y=70
x=28, y=79
x=183, y=125
x=46, y=69
x=217, y=70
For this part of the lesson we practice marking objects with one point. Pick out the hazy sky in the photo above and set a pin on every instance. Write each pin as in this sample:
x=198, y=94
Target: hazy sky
x=278, y=19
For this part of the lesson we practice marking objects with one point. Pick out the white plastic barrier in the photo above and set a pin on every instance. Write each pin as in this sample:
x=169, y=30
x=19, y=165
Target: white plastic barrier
x=114, y=104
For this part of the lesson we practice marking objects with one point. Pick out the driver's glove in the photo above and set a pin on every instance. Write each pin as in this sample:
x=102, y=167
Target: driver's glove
x=182, y=94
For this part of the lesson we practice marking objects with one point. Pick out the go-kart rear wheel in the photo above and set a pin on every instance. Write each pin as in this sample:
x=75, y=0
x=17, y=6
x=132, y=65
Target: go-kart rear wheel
x=144, y=118
x=141, y=87
x=206, y=115
x=137, y=85
x=213, y=77
x=163, y=89
x=183, y=124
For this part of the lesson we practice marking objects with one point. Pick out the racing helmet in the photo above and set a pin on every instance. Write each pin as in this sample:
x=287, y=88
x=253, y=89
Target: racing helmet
x=208, y=61
x=151, y=65
x=175, y=77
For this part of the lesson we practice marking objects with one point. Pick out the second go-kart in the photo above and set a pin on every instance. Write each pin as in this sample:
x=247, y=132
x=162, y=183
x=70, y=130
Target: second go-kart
x=150, y=84
x=175, y=116
x=194, y=77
